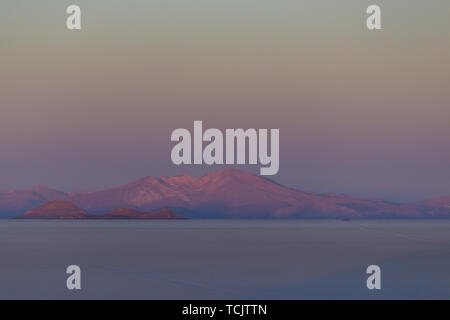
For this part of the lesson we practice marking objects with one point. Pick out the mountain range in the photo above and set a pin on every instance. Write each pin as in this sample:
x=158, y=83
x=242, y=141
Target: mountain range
x=228, y=193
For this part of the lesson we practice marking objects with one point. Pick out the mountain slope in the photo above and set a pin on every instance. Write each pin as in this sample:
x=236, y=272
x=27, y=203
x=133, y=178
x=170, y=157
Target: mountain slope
x=436, y=207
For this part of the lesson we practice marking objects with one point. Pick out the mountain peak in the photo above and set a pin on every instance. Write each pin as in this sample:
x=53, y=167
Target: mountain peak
x=182, y=179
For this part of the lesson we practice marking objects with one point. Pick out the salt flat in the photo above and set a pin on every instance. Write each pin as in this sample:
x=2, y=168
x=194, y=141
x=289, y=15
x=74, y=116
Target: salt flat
x=225, y=259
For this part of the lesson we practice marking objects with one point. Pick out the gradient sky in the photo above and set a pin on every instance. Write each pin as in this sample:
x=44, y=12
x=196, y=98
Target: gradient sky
x=359, y=112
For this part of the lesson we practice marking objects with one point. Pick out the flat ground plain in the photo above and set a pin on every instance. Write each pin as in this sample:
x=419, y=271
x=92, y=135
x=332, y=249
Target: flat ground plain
x=225, y=259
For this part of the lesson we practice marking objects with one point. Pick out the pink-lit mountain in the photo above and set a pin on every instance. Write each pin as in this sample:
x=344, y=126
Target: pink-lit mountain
x=17, y=202
x=226, y=193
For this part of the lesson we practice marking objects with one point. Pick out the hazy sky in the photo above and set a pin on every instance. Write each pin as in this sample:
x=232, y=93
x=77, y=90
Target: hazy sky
x=359, y=112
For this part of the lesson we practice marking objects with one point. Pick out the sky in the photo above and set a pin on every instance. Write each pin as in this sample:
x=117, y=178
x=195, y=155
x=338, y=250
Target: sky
x=360, y=112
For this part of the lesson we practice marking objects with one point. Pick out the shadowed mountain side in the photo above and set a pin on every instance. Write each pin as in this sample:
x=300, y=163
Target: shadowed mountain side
x=227, y=193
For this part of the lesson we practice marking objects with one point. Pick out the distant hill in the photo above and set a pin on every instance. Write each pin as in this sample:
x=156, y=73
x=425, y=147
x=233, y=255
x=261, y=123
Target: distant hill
x=228, y=193
x=124, y=213
x=61, y=209
x=56, y=210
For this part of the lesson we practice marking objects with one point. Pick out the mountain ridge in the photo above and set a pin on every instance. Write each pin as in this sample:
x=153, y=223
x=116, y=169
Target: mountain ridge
x=226, y=193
